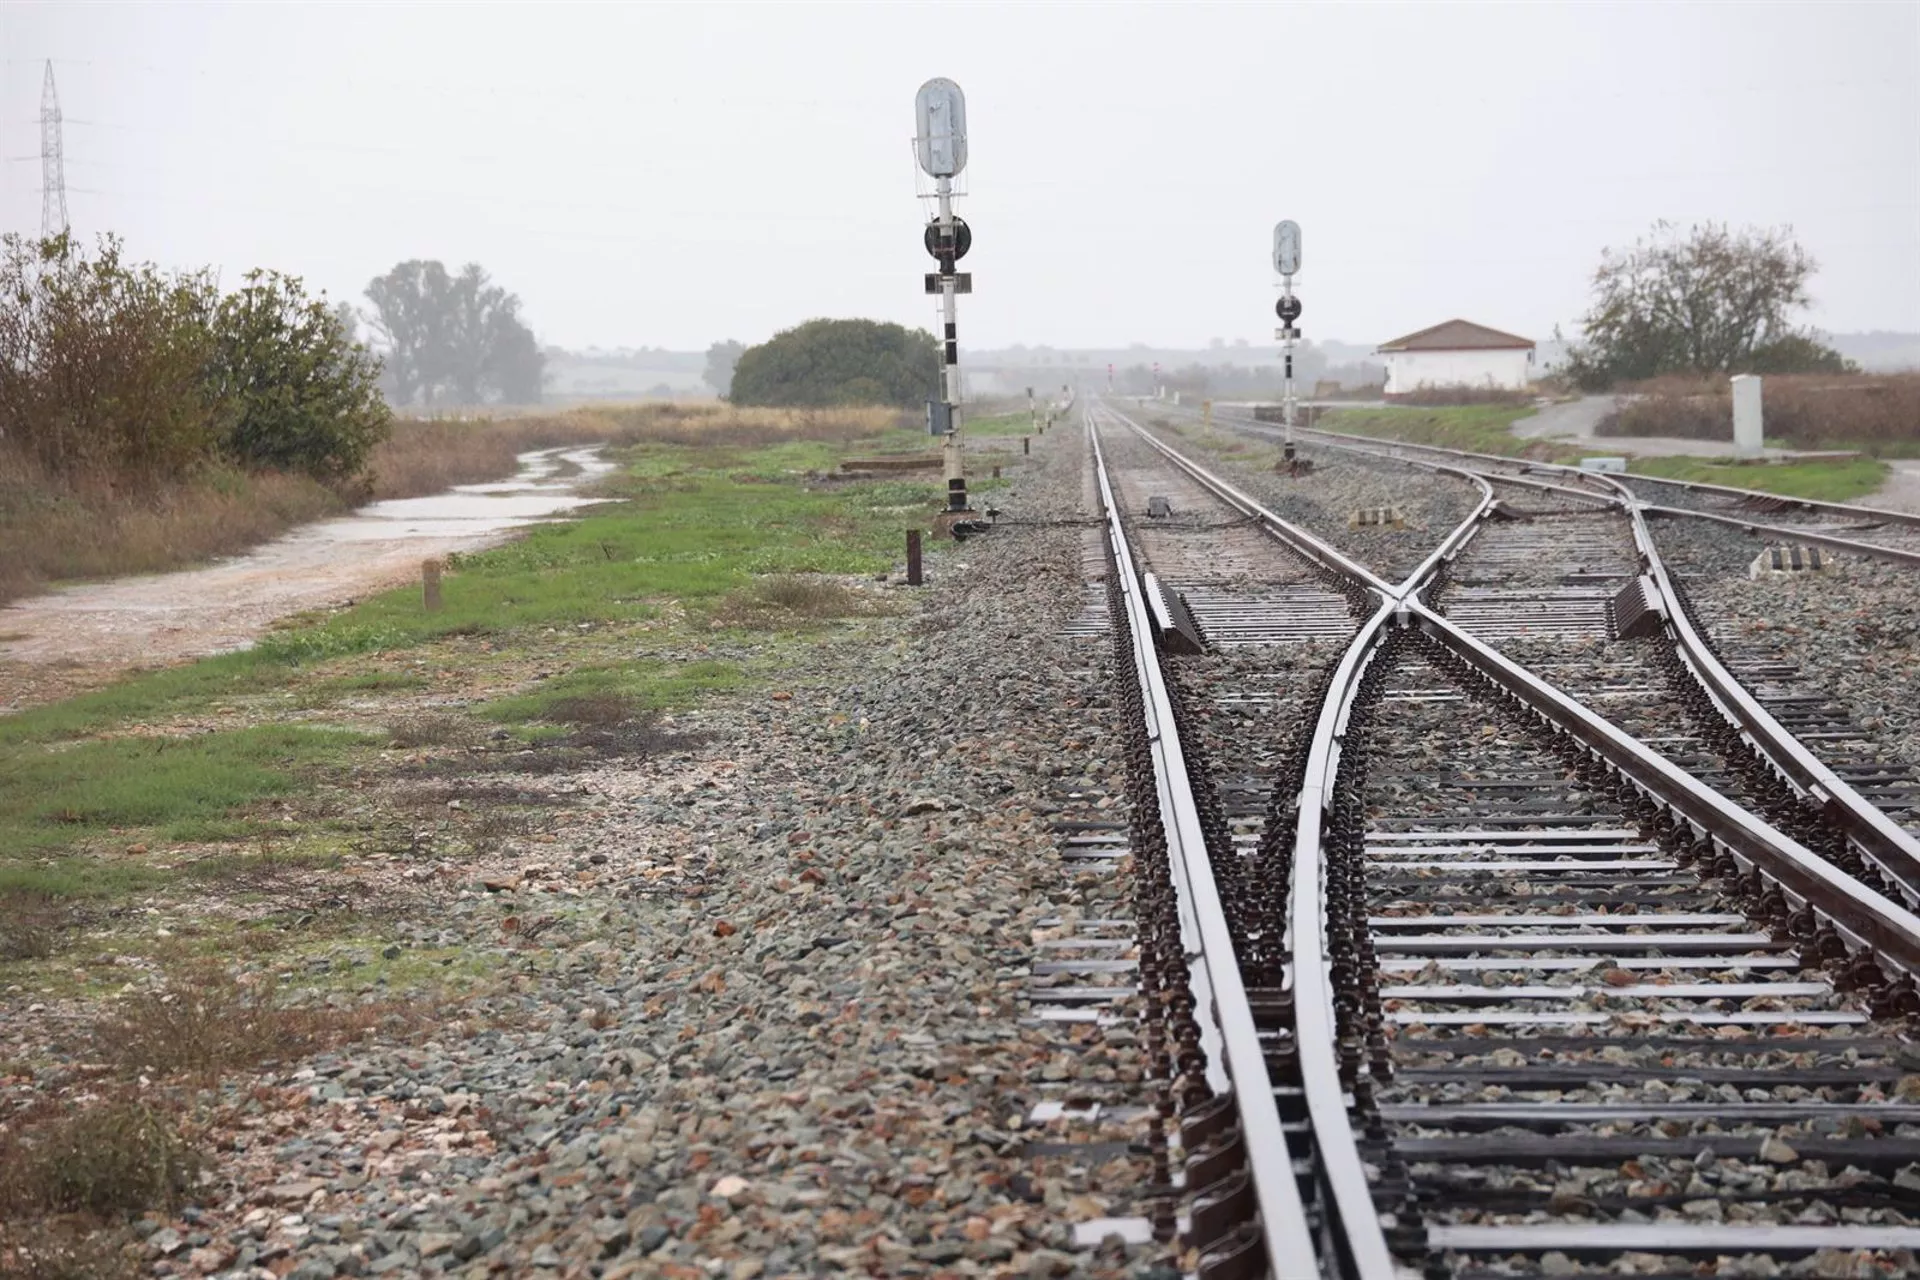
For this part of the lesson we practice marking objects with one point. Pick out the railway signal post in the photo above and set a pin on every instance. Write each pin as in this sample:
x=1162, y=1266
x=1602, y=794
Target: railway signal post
x=940, y=145
x=1286, y=260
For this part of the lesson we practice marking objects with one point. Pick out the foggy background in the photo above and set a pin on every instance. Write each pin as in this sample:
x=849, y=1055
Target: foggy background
x=673, y=175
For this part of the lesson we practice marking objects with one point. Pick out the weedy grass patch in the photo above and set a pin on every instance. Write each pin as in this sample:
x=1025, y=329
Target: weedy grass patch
x=181, y=788
x=1479, y=428
x=120, y=1155
x=1823, y=479
x=596, y=696
x=690, y=531
x=206, y=1023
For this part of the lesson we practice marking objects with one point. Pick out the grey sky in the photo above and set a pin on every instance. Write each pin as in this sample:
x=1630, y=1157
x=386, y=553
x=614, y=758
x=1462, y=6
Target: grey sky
x=670, y=175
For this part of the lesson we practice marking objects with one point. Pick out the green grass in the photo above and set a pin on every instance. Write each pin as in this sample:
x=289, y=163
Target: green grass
x=1480, y=428
x=687, y=525
x=684, y=529
x=1838, y=480
x=652, y=686
x=1005, y=424
x=182, y=788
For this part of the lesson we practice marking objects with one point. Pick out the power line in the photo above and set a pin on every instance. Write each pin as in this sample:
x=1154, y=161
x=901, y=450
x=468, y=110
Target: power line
x=53, y=167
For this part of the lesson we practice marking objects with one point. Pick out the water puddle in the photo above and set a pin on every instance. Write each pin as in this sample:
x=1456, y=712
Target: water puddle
x=547, y=485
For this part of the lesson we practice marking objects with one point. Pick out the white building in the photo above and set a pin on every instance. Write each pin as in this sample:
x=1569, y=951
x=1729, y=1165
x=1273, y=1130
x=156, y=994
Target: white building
x=1458, y=353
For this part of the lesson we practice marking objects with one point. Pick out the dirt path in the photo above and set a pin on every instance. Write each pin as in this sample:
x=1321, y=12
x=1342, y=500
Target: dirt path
x=1901, y=490
x=53, y=644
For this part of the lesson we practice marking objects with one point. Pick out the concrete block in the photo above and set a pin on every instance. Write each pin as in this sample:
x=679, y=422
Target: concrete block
x=1746, y=414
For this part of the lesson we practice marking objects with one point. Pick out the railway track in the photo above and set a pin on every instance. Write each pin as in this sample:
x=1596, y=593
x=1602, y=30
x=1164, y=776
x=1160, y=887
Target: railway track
x=1454, y=976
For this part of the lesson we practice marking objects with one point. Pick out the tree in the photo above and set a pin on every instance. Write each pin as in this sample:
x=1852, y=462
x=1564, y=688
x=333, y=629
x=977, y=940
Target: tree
x=103, y=362
x=1705, y=301
x=456, y=336
x=721, y=359
x=299, y=394
x=839, y=362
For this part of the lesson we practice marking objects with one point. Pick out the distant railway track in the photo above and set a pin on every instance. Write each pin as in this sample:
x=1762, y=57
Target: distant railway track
x=1455, y=975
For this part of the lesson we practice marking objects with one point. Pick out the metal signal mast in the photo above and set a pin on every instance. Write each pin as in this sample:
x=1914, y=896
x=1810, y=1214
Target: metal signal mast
x=940, y=145
x=53, y=162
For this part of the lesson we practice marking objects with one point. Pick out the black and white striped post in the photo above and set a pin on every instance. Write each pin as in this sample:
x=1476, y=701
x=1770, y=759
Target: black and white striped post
x=940, y=145
x=1286, y=260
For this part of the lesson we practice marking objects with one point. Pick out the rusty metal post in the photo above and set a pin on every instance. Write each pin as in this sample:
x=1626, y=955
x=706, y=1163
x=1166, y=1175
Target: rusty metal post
x=1026, y=445
x=913, y=557
x=430, y=584
x=996, y=473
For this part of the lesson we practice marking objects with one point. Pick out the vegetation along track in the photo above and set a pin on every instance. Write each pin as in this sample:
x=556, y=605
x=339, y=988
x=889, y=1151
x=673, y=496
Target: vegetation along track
x=1523, y=995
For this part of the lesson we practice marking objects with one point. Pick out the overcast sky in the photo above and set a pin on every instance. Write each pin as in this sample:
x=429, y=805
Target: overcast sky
x=671, y=175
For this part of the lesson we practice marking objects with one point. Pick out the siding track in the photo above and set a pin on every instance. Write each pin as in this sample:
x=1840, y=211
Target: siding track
x=1456, y=977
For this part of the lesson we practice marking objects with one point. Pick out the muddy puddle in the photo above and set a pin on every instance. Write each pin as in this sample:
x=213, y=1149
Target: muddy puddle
x=163, y=618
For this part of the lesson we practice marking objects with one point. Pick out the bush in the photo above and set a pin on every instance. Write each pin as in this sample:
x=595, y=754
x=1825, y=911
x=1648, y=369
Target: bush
x=208, y=1022
x=103, y=364
x=114, y=373
x=300, y=395
x=121, y=1156
x=839, y=362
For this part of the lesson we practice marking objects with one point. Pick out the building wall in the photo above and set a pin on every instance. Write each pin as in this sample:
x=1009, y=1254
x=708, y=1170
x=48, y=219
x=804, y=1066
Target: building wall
x=1411, y=370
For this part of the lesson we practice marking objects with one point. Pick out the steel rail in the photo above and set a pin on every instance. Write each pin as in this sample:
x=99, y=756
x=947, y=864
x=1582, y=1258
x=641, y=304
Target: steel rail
x=1284, y=1227
x=1880, y=514
x=1314, y=548
x=1865, y=920
x=1879, y=838
x=1876, y=835
x=1339, y=1168
x=1785, y=533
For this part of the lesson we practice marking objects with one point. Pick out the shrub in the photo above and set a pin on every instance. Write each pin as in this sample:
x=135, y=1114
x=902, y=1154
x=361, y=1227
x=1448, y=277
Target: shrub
x=120, y=1156
x=839, y=362
x=300, y=395
x=207, y=1022
x=103, y=363
x=30, y=924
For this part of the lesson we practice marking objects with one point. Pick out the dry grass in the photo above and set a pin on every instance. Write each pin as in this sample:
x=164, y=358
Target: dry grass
x=54, y=531
x=207, y=1022
x=1877, y=413
x=787, y=600
x=120, y=1155
x=433, y=729
x=61, y=1250
x=30, y=924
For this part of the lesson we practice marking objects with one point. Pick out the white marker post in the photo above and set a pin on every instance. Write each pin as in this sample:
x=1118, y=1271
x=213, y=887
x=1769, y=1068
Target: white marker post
x=1286, y=260
x=941, y=147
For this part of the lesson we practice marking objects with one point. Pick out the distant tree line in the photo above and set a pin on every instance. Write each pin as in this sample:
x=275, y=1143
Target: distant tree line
x=835, y=362
x=1708, y=300
x=116, y=371
x=453, y=339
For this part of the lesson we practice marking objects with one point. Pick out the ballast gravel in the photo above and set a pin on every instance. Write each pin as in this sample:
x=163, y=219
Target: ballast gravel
x=796, y=1041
